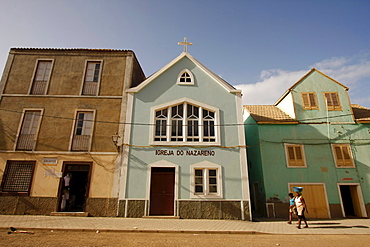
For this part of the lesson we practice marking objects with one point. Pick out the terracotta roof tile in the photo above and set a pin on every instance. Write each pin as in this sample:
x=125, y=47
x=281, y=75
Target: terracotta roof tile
x=361, y=113
x=268, y=113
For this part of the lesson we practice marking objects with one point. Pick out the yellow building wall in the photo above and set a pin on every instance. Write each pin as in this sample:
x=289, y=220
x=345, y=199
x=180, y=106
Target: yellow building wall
x=46, y=181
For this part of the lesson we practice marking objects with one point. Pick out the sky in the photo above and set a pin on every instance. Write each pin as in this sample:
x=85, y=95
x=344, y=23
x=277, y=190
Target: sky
x=260, y=46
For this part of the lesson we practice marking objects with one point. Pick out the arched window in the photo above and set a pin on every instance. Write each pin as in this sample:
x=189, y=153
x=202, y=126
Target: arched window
x=185, y=78
x=185, y=122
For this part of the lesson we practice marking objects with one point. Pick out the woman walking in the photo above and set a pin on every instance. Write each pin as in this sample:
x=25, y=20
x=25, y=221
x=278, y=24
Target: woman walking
x=301, y=208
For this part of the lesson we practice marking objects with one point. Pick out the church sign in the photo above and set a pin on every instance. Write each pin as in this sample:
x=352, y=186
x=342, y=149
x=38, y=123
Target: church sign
x=185, y=152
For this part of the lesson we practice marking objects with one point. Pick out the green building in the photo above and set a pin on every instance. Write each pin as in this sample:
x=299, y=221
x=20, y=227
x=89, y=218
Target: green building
x=311, y=137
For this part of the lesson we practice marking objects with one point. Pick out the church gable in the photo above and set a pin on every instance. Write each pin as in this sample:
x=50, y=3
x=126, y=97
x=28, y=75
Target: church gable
x=184, y=70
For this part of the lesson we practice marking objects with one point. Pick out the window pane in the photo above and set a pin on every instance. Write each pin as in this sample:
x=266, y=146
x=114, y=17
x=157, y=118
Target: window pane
x=198, y=172
x=212, y=172
x=198, y=189
x=212, y=189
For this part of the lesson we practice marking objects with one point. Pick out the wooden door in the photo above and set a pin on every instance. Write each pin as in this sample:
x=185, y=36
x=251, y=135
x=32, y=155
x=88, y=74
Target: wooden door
x=162, y=188
x=315, y=198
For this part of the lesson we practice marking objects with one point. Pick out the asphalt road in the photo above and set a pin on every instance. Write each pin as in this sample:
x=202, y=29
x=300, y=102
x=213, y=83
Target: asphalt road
x=91, y=238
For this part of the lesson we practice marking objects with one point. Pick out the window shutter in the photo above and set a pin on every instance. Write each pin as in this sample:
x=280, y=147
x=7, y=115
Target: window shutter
x=339, y=156
x=312, y=100
x=347, y=157
x=306, y=103
x=299, y=157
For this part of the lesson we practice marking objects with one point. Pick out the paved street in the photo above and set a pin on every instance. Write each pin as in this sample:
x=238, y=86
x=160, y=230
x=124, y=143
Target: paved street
x=335, y=226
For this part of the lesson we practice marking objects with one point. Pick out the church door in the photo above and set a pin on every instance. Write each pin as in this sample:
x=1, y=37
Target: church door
x=162, y=188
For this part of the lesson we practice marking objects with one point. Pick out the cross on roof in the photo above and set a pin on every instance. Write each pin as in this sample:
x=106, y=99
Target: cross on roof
x=185, y=44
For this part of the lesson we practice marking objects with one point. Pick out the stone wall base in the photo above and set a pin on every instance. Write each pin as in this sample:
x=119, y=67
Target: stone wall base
x=230, y=210
x=101, y=207
x=19, y=205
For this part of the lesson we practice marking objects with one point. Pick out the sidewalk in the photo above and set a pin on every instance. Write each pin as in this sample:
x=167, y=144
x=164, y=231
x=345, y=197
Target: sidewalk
x=338, y=226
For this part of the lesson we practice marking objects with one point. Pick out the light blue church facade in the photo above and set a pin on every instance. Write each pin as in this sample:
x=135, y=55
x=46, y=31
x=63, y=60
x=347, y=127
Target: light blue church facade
x=184, y=153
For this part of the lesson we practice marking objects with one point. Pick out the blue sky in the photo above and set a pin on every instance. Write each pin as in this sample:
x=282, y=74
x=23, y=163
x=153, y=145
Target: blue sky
x=261, y=46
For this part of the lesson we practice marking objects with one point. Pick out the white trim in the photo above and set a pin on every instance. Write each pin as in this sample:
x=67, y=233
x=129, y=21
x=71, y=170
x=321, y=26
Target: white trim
x=166, y=164
x=20, y=127
x=226, y=86
x=35, y=72
x=122, y=181
x=184, y=142
x=287, y=155
x=84, y=76
x=243, y=157
x=273, y=209
x=206, y=165
x=180, y=76
x=74, y=127
x=360, y=198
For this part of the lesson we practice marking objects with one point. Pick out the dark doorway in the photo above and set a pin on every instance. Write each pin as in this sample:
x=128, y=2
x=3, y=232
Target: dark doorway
x=75, y=187
x=350, y=200
x=162, y=188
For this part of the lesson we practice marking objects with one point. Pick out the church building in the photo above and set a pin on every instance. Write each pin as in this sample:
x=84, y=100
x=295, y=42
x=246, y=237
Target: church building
x=184, y=152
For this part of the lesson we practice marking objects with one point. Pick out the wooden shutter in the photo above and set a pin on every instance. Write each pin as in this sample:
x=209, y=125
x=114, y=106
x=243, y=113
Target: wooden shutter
x=309, y=101
x=295, y=155
x=343, y=155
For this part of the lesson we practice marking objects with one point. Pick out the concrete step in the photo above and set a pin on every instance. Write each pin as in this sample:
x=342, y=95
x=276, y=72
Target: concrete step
x=77, y=214
x=161, y=217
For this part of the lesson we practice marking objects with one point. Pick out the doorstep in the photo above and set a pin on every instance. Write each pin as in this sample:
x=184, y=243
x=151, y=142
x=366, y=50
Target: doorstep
x=77, y=214
x=161, y=217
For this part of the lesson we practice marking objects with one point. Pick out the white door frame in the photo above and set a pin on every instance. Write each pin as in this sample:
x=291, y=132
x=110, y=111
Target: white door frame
x=360, y=198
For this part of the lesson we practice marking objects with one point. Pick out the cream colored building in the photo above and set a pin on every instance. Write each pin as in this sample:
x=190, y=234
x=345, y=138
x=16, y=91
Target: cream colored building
x=58, y=111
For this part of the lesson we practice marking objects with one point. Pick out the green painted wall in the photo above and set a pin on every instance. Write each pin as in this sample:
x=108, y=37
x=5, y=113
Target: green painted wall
x=318, y=152
x=319, y=83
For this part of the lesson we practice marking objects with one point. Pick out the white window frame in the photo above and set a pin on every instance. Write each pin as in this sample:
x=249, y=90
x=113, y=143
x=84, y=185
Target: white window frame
x=20, y=126
x=180, y=76
x=85, y=74
x=206, y=166
x=35, y=74
x=184, y=126
x=286, y=146
x=341, y=145
x=74, y=127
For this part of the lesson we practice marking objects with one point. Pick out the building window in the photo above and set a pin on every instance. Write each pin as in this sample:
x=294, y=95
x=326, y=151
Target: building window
x=185, y=78
x=332, y=101
x=295, y=155
x=309, y=101
x=206, y=181
x=343, y=155
x=92, y=78
x=185, y=122
x=41, y=77
x=30, y=125
x=83, y=129
x=18, y=177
